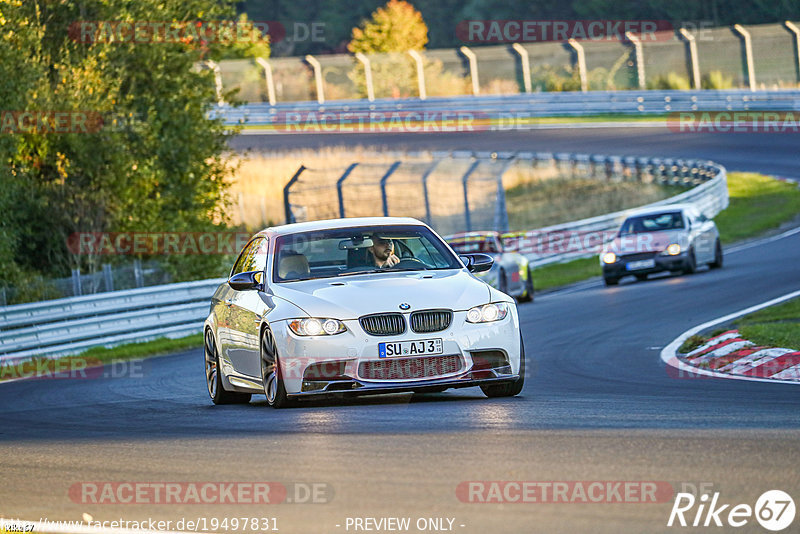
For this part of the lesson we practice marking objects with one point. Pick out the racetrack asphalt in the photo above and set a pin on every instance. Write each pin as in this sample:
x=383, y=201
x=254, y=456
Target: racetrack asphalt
x=598, y=405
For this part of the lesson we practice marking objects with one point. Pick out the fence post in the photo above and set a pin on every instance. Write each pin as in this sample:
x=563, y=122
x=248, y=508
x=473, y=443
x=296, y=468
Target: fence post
x=747, y=44
x=425, y=175
x=581, y=63
x=501, y=213
x=694, y=65
x=383, y=187
x=268, y=76
x=464, y=185
x=473, y=69
x=637, y=49
x=526, y=65
x=138, y=275
x=108, y=277
x=339, y=184
x=213, y=65
x=367, y=75
x=76, y=283
x=287, y=207
x=420, y=73
x=317, y=77
x=792, y=28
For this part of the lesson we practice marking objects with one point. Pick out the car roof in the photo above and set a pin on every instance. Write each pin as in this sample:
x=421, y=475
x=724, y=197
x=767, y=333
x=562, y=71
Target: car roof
x=464, y=235
x=328, y=224
x=660, y=209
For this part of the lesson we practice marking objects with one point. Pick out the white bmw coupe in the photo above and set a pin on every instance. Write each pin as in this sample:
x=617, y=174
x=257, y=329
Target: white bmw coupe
x=358, y=306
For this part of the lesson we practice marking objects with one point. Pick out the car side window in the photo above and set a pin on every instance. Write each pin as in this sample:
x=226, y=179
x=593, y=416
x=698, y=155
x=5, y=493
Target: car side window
x=252, y=258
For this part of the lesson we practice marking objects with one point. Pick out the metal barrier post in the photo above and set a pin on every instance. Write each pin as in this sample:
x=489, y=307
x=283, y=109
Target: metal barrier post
x=367, y=75
x=581, y=63
x=76, y=283
x=748, y=55
x=473, y=69
x=425, y=175
x=637, y=48
x=287, y=207
x=526, y=65
x=694, y=65
x=268, y=76
x=420, y=73
x=108, y=277
x=138, y=275
x=213, y=65
x=796, y=31
x=464, y=180
x=317, y=77
x=339, y=183
x=383, y=187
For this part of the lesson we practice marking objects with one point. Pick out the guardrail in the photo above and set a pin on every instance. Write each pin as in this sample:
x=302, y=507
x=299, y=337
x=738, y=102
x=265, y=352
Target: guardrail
x=67, y=326
x=495, y=112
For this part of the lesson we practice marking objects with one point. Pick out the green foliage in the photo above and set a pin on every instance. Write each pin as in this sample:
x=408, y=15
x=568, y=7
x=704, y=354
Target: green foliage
x=256, y=45
x=692, y=342
x=716, y=80
x=671, y=80
x=395, y=27
x=155, y=165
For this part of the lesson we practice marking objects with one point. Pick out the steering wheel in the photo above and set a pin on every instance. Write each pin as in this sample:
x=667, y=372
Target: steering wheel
x=409, y=263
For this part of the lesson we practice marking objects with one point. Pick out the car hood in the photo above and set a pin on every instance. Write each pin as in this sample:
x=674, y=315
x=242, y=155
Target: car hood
x=646, y=242
x=353, y=296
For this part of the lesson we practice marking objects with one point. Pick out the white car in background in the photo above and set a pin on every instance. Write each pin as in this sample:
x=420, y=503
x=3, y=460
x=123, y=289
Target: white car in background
x=674, y=238
x=511, y=272
x=306, y=313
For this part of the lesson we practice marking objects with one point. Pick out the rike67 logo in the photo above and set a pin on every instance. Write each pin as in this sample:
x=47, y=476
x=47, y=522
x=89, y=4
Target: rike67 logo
x=774, y=510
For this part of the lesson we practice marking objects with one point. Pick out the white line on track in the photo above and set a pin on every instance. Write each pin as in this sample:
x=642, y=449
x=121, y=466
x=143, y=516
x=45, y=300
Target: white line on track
x=669, y=354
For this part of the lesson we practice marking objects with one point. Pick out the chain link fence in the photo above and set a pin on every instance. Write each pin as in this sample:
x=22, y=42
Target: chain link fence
x=552, y=66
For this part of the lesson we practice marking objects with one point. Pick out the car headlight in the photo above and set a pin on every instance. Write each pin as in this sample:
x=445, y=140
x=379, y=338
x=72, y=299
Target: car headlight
x=673, y=249
x=317, y=327
x=488, y=313
x=609, y=257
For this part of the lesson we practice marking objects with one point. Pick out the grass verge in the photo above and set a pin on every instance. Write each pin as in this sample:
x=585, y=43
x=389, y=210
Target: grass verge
x=776, y=326
x=561, y=274
x=71, y=365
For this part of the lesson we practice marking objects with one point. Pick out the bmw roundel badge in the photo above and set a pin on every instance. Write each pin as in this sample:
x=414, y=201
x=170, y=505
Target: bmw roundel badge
x=405, y=306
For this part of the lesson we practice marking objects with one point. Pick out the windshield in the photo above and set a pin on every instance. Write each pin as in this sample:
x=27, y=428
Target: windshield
x=657, y=222
x=469, y=245
x=346, y=251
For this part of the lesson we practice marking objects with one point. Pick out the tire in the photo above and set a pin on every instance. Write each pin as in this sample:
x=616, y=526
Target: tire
x=509, y=389
x=641, y=277
x=611, y=281
x=217, y=392
x=717, y=263
x=271, y=379
x=691, y=263
x=528, y=296
x=502, y=283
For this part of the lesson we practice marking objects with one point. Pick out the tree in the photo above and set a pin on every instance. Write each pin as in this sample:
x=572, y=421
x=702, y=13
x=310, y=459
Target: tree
x=395, y=27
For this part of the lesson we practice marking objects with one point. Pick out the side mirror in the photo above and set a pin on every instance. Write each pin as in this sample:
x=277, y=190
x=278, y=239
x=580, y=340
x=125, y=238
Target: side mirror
x=477, y=263
x=247, y=280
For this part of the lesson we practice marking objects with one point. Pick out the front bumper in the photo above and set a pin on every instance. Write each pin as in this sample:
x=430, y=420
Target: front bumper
x=663, y=263
x=348, y=363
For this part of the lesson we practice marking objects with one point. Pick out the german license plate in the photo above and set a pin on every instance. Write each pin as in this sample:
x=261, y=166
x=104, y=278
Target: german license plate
x=642, y=264
x=420, y=347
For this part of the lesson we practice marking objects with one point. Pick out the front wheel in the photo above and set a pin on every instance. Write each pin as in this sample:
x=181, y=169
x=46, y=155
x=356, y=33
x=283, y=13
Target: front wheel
x=610, y=281
x=528, y=296
x=217, y=392
x=509, y=389
x=691, y=263
x=502, y=282
x=717, y=263
x=271, y=372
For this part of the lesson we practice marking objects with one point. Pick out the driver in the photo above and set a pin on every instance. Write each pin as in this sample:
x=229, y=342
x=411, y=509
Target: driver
x=382, y=252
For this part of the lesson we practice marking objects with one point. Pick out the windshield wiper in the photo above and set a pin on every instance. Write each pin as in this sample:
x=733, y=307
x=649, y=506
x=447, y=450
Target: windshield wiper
x=389, y=270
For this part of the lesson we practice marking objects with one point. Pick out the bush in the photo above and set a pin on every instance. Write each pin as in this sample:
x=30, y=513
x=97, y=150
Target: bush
x=716, y=80
x=671, y=80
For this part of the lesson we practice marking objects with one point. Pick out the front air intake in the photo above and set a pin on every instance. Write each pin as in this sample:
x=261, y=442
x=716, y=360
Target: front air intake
x=424, y=322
